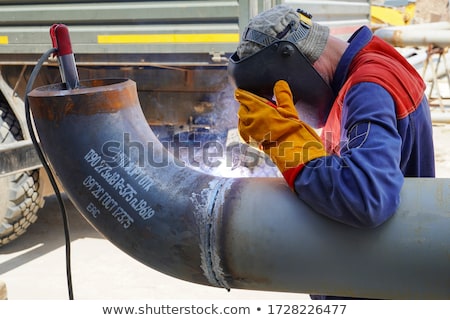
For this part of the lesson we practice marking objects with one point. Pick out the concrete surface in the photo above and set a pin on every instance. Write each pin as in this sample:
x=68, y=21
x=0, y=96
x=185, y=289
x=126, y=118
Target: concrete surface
x=33, y=267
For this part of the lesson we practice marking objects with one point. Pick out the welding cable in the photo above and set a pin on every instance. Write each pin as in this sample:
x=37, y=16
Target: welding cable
x=49, y=172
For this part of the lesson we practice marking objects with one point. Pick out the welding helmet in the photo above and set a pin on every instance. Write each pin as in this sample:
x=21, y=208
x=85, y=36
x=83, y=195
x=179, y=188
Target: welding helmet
x=282, y=60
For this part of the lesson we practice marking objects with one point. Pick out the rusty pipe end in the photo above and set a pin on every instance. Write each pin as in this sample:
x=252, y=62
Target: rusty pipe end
x=54, y=101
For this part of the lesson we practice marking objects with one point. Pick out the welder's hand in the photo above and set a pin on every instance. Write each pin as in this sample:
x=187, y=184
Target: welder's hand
x=277, y=129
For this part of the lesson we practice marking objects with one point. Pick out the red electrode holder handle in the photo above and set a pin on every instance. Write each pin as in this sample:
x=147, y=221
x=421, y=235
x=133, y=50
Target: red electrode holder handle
x=59, y=34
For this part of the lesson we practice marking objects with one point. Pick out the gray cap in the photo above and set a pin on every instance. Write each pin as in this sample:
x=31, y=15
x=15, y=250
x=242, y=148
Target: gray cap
x=282, y=22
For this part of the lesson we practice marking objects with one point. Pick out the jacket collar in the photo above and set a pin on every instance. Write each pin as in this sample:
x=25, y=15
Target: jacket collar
x=356, y=43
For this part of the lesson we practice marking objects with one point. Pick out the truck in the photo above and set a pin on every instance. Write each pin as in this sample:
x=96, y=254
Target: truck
x=175, y=51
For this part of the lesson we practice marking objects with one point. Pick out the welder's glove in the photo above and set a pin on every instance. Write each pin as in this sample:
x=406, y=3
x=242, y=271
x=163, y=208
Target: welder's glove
x=278, y=130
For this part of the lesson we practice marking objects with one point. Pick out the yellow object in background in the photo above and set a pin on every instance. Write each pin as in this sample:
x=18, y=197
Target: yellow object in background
x=394, y=16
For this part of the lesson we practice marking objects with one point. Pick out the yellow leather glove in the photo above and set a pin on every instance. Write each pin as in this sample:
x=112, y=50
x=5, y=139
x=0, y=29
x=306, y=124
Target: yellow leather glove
x=278, y=130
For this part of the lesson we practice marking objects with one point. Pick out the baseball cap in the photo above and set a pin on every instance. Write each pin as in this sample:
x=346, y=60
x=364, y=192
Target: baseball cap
x=282, y=22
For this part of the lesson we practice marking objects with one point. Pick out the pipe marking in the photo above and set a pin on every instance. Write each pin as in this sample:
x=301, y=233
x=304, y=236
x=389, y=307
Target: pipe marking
x=108, y=171
x=107, y=202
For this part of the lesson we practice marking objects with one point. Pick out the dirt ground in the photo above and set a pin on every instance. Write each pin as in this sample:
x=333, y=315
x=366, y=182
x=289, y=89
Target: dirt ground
x=431, y=11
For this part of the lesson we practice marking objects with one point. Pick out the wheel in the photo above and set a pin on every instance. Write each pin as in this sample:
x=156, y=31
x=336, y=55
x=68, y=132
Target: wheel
x=20, y=194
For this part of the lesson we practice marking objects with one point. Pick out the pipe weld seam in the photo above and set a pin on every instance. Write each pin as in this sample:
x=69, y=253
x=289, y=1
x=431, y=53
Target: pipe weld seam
x=215, y=212
x=206, y=216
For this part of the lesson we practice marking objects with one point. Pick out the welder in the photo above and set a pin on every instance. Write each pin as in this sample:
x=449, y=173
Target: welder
x=344, y=121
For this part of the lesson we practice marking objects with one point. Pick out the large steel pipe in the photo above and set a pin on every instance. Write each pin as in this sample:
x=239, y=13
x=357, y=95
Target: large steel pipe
x=437, y=34
x=250, y=233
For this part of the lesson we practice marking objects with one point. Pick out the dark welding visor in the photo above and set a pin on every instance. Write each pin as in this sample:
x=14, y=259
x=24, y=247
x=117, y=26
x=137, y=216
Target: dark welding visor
x=282, y=60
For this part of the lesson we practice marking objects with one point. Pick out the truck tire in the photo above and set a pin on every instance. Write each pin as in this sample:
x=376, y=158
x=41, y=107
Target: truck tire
x=21, y=193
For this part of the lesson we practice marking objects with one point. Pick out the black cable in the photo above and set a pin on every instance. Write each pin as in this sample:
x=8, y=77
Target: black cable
x=29, y=87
